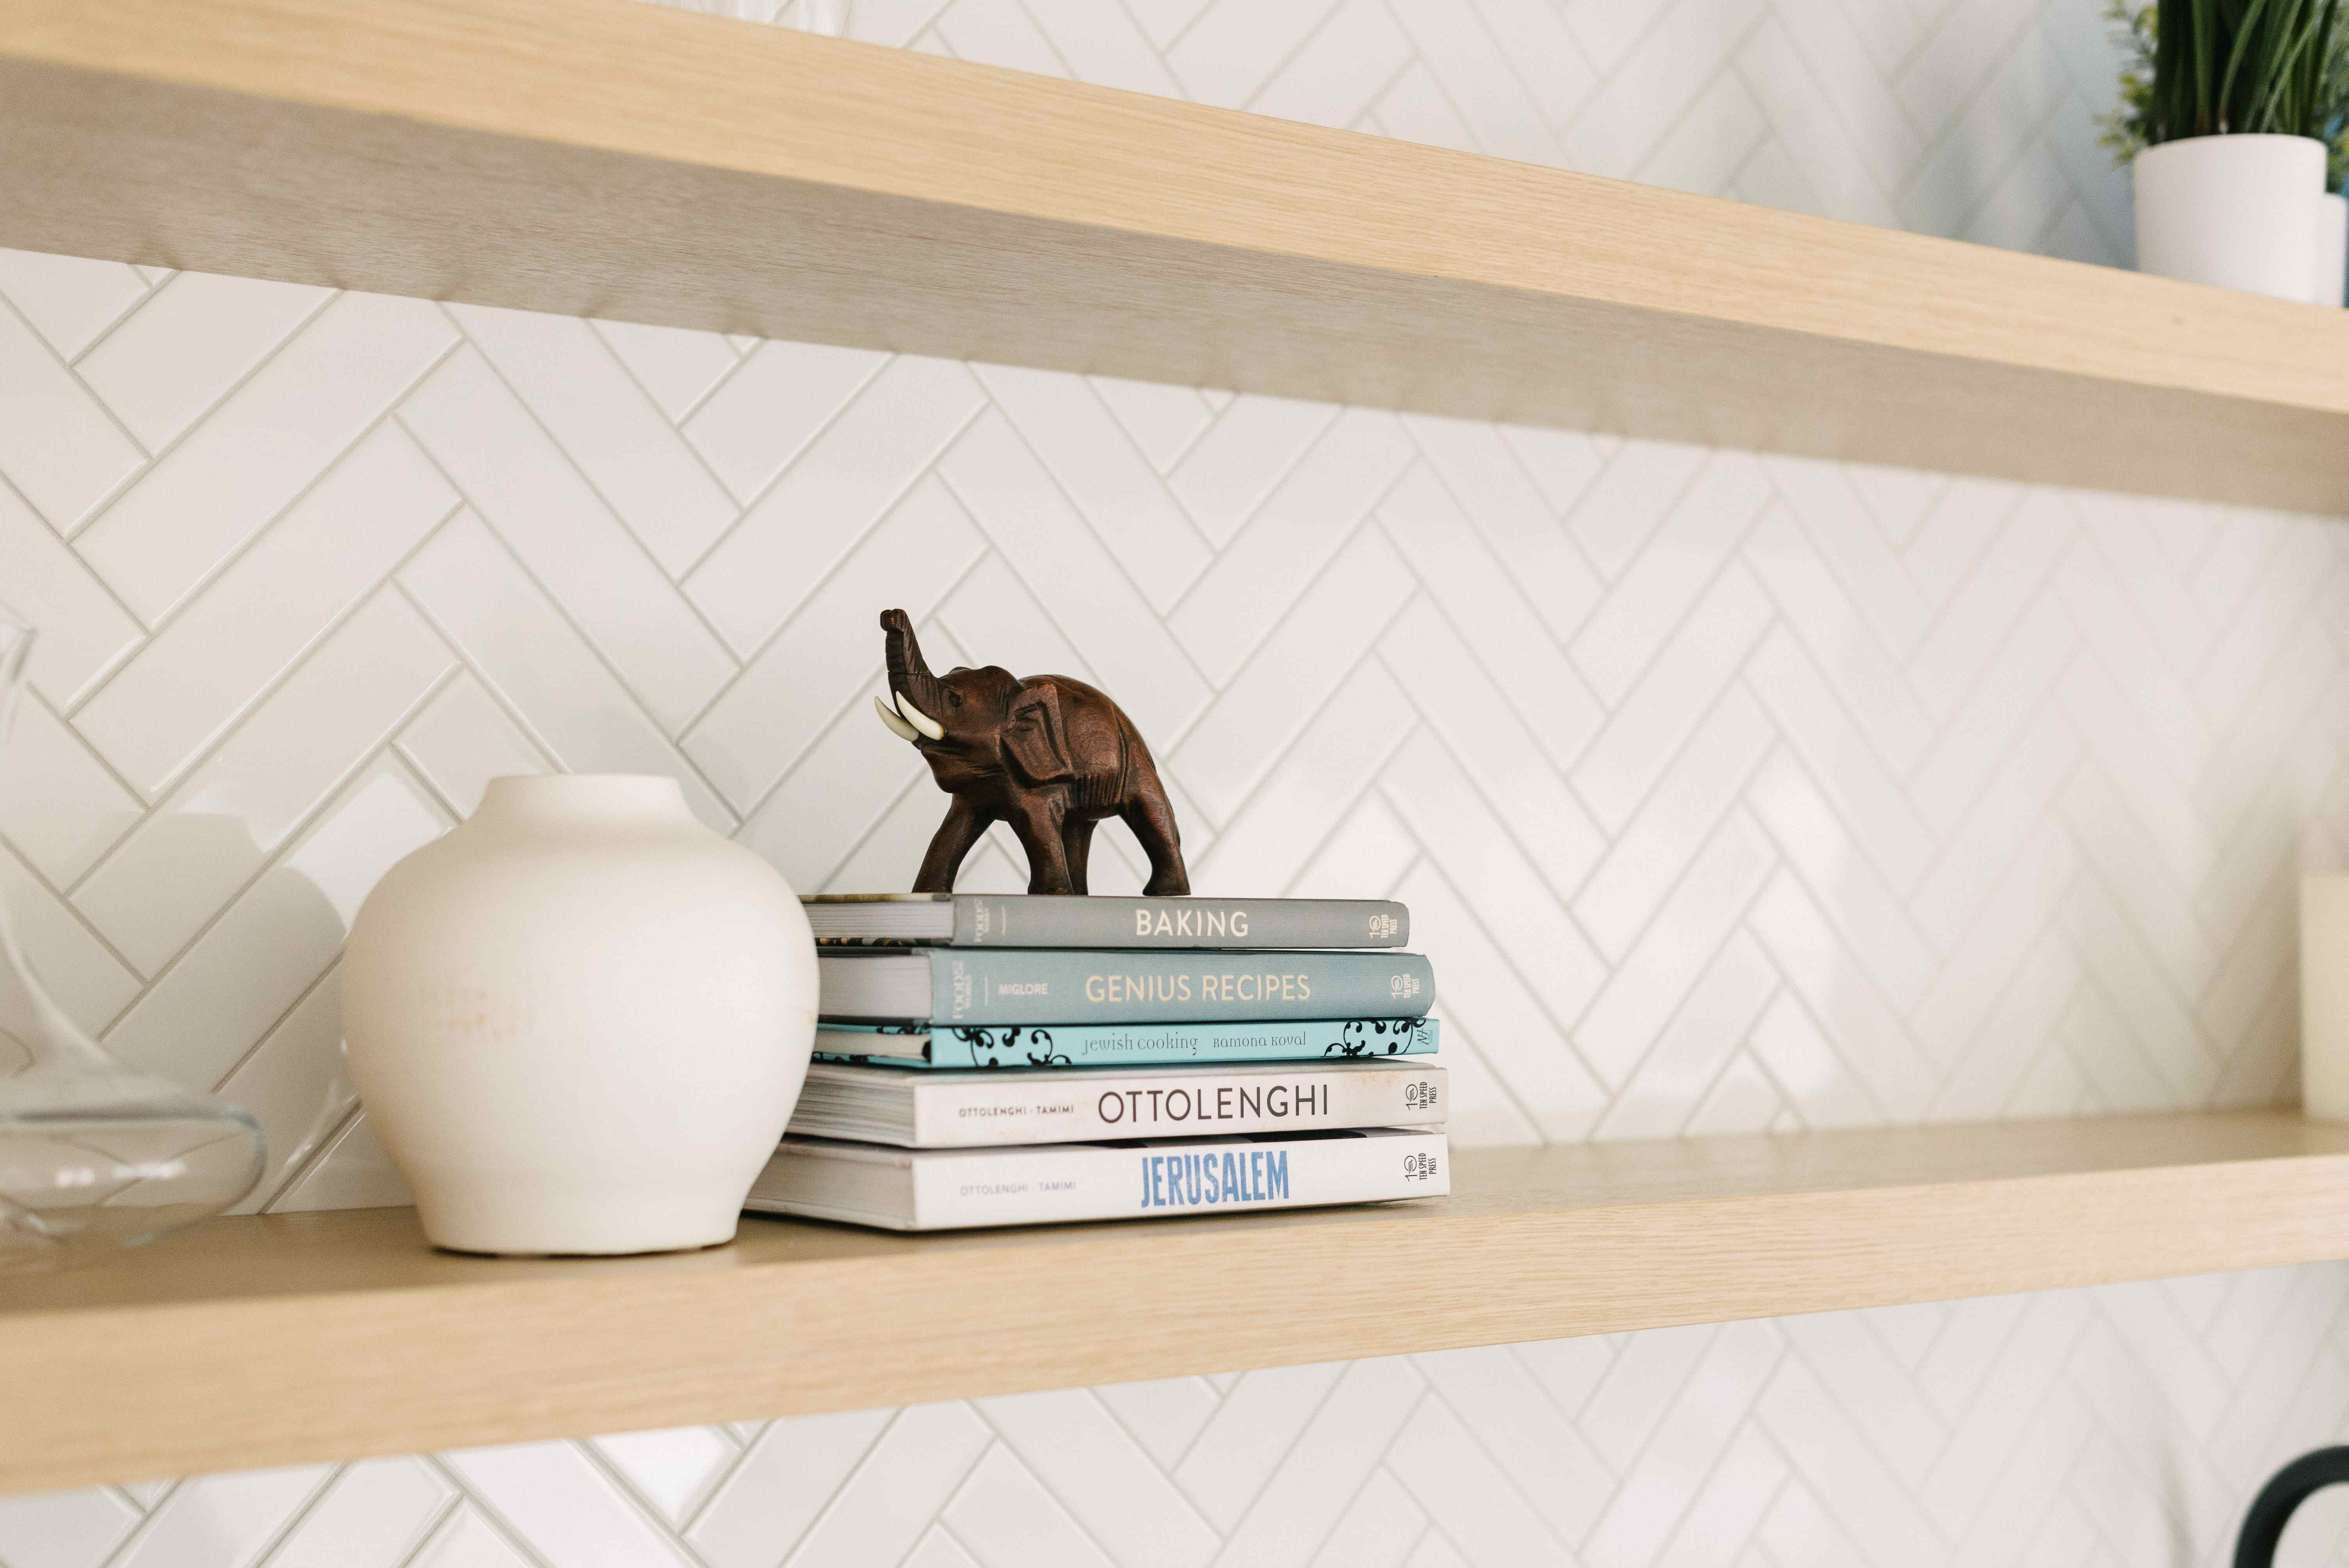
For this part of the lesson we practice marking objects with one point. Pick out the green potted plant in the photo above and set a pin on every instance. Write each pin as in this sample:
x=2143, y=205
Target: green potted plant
x=2332, y=212
x=2222, y=118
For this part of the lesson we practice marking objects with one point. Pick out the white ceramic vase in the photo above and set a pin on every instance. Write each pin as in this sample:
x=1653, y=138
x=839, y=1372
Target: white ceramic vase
x=2324, y=996
x=2239, y=212
x=2331, y=250
x=580, y=1020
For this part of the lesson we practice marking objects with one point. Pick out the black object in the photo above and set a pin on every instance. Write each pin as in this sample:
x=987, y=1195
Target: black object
x=2286, y=1491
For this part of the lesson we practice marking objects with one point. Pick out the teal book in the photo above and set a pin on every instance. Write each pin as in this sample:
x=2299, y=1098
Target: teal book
x=954, y=986
x=1121, y=1045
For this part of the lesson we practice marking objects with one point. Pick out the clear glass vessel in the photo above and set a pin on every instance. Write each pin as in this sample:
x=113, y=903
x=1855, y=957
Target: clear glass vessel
x=95, y=1158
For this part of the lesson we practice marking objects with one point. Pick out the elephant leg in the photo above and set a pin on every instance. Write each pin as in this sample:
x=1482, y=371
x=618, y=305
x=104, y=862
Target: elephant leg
x=1037, y=825
x=953, y=841
x=1152, y=821
x=1077, y=845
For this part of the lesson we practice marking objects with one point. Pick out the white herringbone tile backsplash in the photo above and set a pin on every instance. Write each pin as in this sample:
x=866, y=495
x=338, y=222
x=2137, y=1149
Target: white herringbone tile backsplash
x=1729, y=793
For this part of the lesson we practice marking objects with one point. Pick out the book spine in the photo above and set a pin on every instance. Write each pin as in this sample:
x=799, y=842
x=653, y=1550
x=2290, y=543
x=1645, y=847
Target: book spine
x=1090, y=1181
x=1023, y=985
x=1131, y=1045
x=1178, y=923
x=955, y=1112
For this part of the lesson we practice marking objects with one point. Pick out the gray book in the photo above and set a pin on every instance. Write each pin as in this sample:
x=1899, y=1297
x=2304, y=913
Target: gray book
x=1023, y=920
x=946, y=986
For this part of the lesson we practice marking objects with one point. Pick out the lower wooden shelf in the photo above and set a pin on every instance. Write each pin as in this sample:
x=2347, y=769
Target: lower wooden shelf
x=253, y=1342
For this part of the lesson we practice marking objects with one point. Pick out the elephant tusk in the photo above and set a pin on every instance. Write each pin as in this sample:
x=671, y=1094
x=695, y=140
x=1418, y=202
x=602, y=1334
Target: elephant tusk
x=918, y=719
x=897, y=727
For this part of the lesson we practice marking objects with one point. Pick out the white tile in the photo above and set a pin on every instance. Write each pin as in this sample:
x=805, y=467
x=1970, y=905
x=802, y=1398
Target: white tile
x=1160, y=420
x=1243, y=598
x=58, y=445
x=520, y=644
x=1076, y=437
x=1640, y=993
x=354, y=1171
x=1341, y=68
x=79, y=972
x=1837, y=1459
x=1005, y=1519
x=1378, y=1529
x=1260, y=1418
x=675, y=365
x=1102, y=45
x=857, y=469
x=69, y=300
x=59, y=805
x=1440, y=1463
x=1681, y=1460
x=220, y=827
x=577, y=390
x=223, y=1520
x=1479, y=595
x=752, y=428
x=178, y=694
x=466, y=1540
x=373, y=1515
x=1234, y=44
x=82, y=629
x=461, y=740
x=63, y=1529
x=295, y=1085
x=1256, y=440
x=832, y=649
x=188, y=345
x=237, y=980
x=671, y=1468
x=603, y=575
x=1320, y=643
x=903, y=1481
x=1530, y=1442
x=1164, y=1414
x=1308, y=1496
x=1640, y=738
x=1648, y=856
x=551, y=1496
x=1680, y=1070
x=1116, y=1492
x=1046, y=545
x=260, y=450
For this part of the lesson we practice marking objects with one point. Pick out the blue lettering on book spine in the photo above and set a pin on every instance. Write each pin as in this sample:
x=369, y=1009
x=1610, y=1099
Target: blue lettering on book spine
x=1219, y=1176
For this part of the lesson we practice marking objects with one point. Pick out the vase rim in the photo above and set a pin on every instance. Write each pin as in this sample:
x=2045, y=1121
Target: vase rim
x=599, y=794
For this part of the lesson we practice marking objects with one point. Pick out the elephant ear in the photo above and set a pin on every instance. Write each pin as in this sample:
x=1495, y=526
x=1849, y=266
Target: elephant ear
x=1033, y=737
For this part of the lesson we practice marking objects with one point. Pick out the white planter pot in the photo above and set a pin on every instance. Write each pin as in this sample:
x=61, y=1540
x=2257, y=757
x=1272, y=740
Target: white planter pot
x=579, y=1021
x=2331, y=250
x=2239, y=212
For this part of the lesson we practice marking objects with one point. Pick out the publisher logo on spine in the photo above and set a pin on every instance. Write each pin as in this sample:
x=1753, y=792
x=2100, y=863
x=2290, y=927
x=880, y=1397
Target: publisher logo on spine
x=1403, y=985
x=1383, y=927
x=1419, y=1095
x=1418, y=1166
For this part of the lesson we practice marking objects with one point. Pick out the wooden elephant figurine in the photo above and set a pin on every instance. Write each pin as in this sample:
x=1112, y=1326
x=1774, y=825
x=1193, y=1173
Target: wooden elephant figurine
x=1048, y=755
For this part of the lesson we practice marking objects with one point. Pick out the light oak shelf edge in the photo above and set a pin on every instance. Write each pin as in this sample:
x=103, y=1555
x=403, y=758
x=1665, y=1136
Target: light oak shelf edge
x=252, y=1342
x=608, y=157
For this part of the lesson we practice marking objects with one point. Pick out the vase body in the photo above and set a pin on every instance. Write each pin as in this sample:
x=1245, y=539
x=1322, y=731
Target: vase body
x=579, y=1021
x=2331, y=250
x=2237, y=212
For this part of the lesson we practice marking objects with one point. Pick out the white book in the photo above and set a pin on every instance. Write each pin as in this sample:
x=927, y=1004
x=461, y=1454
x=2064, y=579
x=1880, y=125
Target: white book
x=993, y=1106
x=956, y=1189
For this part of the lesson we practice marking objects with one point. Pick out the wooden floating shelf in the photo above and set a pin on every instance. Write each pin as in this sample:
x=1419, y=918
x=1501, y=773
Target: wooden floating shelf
x=608, y=157
x=270, y=1341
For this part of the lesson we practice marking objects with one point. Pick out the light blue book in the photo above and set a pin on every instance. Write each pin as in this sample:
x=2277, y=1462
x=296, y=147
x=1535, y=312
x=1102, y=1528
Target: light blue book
x=1121, y=1045
x=958, y=985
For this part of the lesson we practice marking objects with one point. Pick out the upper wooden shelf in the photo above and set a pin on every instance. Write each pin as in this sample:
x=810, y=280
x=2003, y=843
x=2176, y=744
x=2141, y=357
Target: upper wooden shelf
x=269, y=1341
x=609, y=158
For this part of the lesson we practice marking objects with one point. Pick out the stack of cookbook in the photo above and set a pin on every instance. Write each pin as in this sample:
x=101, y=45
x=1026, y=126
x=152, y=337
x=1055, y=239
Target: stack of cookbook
x=986, y=1061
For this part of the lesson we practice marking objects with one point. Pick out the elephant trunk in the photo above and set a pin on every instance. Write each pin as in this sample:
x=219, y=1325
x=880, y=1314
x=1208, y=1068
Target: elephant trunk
x=909, y=674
